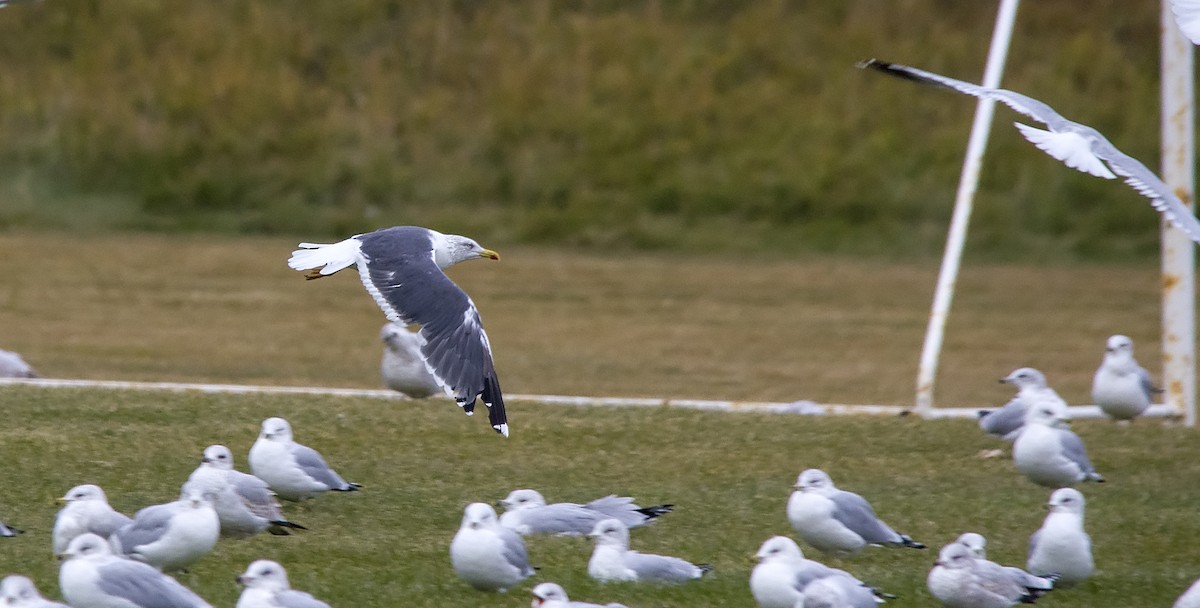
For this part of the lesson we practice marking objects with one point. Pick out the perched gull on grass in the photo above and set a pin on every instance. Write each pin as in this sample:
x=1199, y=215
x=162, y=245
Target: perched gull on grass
x=835, y=521
x=293, y=471
x=1190, y=598
x=1036, y=585
x=244, y=503
x=9, y=531
x=1007, y=422
x=612, y=560
x=17, y=591
x=486, y=555
x=86, y=510
x=1061, y=546
x=783, y=578
x=403, y=367
x=1121, y=387
x=13, y=366
x=171, y=536
x=1078, y=146
x=92, y=577
x=401, y=267
x=959, y=579
x=551, y=595
x=526, y=512
x=1049, y=454
x=1187, y=16
x=265, y=585
x=836, y=592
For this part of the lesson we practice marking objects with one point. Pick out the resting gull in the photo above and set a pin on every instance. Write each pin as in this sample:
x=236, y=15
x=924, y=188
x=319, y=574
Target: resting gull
x=552, y=595
x=1048, y=453
x=1007, y=422
x=612, y=560
x=13, y=366
x=488, y=556
x=17, y=591
x=401, y=267
x=1036, y=585
x=86, y=510
x=959, y=579
x=171, y=536
x=1078, y=146
x=402, y=366
x=1061, y=546
x=783, y=578
x=92, y=577
x=835, y=521
x=244, y=503
x=293, y=471
x=265, y=585
x=1121, y=387
x=526, y=512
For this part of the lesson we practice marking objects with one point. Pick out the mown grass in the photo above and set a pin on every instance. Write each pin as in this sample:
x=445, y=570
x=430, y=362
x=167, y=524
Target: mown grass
x=728, y=474
x=644, y=124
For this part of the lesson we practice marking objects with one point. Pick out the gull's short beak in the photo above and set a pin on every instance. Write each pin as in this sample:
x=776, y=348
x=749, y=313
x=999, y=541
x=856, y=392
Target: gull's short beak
x=488, y=253
x=938, y=563
x=241, y=580
x=62, y=500
x=62, y=557
x=1004, y=381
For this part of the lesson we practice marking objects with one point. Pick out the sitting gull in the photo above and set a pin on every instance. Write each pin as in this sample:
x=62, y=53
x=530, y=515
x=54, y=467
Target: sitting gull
x=13, y=366
x=293, y=471
x=835, y=521
x=959, y=579
x=401, y=267
x=488, y=556
x=551, y=595
x=612, y=560
x=266, y=586
x=17, y=591
x=1060, y=546
x=1037, y=586
x=1049, y=454
x=1007, y=422
x=92, y=577
x=403, y=367
x=526, y=512
x=1121, y=387
x=87, y=510
x=171, y=536
x=783, y=578
x=1078, y=146
x=244, y=503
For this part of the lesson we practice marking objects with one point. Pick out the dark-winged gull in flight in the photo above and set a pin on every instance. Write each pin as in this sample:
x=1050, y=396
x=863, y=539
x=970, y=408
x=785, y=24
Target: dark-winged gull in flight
x=401, y=268
x=1078, y=146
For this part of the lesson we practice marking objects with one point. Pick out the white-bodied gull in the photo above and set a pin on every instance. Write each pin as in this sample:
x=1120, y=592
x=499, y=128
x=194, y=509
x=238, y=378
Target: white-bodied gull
x=92, y=577
x=486, y=555
x=265, y=585
x=552, y=595
x=171, y=536
x=526, y=512
x=1061, y=546
x=1037, y=586
x=1048, y=453
x=835, y=521
x=292, y=470
x=18, y=591
x=1121, y=387
x=86, y=510
x=244, y=503
x=959, y=579
x=1007, y=422
x=403, y=366
x=401, y=267
x=783, y=578
x=612, y=560
x=1078, y=146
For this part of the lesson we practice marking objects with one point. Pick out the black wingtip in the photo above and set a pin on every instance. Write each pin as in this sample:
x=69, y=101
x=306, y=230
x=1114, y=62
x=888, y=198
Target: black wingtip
x=15, y=531
x=704, y=568
x=981, y=414
x=910, y=543
x=350, y=487
x=493, y=398
x=655, y=511
x=283, y=523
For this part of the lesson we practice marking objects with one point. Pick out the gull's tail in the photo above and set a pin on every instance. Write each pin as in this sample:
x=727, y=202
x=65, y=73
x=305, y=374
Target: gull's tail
x=324, y=259
x=280, y=527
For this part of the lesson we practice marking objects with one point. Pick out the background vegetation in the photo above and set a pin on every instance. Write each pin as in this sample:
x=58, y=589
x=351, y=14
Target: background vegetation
x=627, y=123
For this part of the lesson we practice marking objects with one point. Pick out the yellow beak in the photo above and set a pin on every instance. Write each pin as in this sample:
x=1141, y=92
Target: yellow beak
x=488, y=253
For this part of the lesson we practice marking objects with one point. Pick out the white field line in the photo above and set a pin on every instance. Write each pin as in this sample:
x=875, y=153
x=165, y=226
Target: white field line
x=1080, y=411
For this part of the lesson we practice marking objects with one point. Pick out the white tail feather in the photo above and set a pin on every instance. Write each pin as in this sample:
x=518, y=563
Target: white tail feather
x=329, y=257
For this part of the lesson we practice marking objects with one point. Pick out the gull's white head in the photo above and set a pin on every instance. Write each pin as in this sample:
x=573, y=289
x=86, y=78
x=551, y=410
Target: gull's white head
x=264, y=574
x=276, y=429
x=1048, y=412
x=195, y=498
x=85, y=546
x=548, y=592
x=17, y=590
x=523, y=499
x=610, y=532
x=450, y=249
x=84, y=492
x=1118, y=345
x=218, y=457
x=1066, y=500
x=479, y=516
x=1025, y=377
x=975, y=542
x=814, y=480
x=779, y=548
x=955, y=556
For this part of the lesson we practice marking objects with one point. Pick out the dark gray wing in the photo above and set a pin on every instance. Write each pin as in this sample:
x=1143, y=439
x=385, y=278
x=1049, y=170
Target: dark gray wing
x=514, y=550
x=854, y=512
x=410, y=288
x=313, y=465
x=145, y=586
x=1072, y=447
x=290, y=598
x=148, y=526
x=650, y=567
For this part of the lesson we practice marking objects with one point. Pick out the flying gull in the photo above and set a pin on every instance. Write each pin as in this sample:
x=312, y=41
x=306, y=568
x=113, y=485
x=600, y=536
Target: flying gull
x=526, y=512
x=86, y=510
x=1061, y=546
x=265, y=585
x=612, y=560
x=401, y=267
x=293, y=471
x=244, y=503
x=488, y=556
x=1121, y=387
x=17, y=591
x=835, y=521
x=402, y=366
x=92, y=577
x=552, y=595
x=1078, y=146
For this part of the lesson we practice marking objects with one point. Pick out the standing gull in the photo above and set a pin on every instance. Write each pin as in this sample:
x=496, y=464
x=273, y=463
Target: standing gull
x=551, y=595
x=488, y=556
x=92, y=577
x=1049, y=454
x=265, y=585
x=293, y=471
x=526, y=512
x=17, y=591
x=401, y=267
x=1061, y=546
x=835, y=521
x=1078, y=146
x=1121, y=387
x=87, y=510
x=612, y=560
x=1008, y=421
x=244, y=503
x=783, y=578
x=959, y=579
x=402, y=366
x=171, y=536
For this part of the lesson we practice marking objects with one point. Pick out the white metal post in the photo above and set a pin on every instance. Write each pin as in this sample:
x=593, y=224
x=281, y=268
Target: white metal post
x=1178, y=253
x=963, y=203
